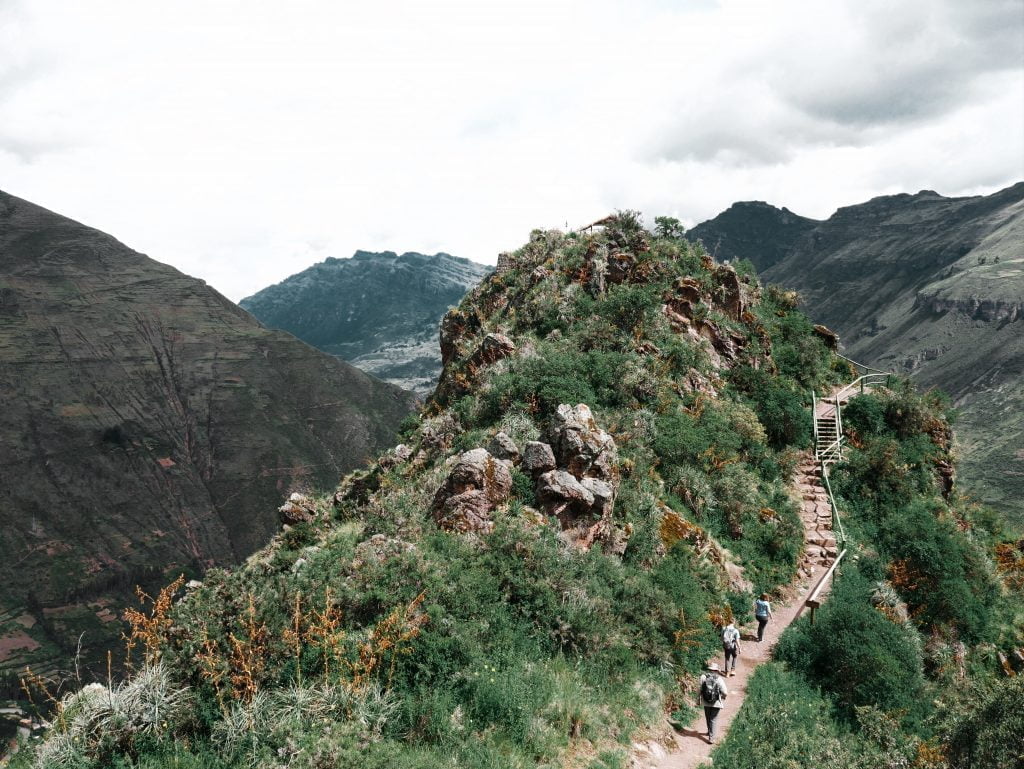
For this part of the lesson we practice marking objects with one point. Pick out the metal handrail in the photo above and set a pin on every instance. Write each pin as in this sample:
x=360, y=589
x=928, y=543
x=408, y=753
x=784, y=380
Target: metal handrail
x=835, y=507
x=814, y=417
x=861, y=365
x=812, y=599
x=863, y=381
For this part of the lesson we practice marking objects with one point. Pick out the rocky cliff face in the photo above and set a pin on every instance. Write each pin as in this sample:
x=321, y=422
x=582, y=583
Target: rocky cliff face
x=379, y=311
x=147, y=426
x=928, y=285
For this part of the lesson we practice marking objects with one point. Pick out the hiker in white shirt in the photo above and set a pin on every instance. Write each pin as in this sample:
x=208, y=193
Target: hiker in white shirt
x=731, y=647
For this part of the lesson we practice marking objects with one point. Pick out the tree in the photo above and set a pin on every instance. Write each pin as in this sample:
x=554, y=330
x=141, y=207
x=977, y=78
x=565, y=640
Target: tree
x=668, y=227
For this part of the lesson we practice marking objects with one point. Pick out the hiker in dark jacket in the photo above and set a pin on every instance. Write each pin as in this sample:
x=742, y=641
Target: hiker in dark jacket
x=713, y=692
x=762, y=613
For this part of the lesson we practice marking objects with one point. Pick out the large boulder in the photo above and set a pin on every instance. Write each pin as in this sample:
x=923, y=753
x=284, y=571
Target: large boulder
x=476, y=485
x=538, y=457
x=493, y=348
x=503, y=447
x=575, y=475
x=579, y=445
x=298, y=509
x=583, y=515
x=731, y=294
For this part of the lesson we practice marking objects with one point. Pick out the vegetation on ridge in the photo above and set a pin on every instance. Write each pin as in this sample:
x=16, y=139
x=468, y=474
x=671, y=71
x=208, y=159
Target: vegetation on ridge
x=455, y=607
x=906, y=663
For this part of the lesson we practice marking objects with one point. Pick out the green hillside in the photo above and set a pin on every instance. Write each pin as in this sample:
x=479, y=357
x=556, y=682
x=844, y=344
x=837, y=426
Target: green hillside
x=534, y=576
x=921, y=284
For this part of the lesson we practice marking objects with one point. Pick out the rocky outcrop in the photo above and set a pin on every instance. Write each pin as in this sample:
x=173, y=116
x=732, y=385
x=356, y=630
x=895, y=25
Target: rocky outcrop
x=827, y=335
x=493, y=348
x=579, y=445
x=457, y=331
x=985, y=309
x=298, y=509
x=456, y=327
x=686, y=307
x=476, y=485
x=575, y=475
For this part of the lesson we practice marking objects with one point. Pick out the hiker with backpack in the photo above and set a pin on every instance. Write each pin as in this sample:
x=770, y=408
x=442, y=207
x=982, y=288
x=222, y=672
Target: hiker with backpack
x=762, y=613
x=731, y=647
x=713, y=692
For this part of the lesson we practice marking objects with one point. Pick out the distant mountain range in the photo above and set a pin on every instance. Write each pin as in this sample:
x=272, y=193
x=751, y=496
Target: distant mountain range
x=921, y=284
x=378, y=311
x=148, y=427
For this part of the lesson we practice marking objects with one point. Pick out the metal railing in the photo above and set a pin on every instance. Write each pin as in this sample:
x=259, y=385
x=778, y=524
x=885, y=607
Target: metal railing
x=812, y=599
x=867, y=369
x=835, y=508
x=833, y=452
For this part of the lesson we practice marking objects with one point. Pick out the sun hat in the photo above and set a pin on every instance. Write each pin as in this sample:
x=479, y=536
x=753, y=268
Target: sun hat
x=713, y=666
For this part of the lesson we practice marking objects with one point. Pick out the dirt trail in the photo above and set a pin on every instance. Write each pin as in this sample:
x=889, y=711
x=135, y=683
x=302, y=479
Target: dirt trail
x=692, y=746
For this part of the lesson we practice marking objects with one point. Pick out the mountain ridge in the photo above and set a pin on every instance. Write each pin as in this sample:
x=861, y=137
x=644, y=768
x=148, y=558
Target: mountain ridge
x=147, y=421
x=928, y=285
x=377, y=310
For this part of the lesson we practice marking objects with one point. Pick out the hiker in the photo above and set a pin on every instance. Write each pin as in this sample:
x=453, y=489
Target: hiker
x=731, y=647
x=713, y=692
x=762, y=612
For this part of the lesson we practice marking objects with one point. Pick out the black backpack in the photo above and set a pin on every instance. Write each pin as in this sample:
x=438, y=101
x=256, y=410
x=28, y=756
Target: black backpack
x=710, y=689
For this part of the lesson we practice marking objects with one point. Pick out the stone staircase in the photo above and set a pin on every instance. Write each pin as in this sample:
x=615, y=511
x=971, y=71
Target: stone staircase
x=820, y=548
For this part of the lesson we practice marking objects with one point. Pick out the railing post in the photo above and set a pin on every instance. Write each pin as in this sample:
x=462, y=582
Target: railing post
x=839, y=430
x=814, y=420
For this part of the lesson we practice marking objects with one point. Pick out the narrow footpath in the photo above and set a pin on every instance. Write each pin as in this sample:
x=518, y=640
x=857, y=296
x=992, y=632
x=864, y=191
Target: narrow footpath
x=692, y=748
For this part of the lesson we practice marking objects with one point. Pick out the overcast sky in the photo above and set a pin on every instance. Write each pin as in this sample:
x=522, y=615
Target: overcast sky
x=242, y=141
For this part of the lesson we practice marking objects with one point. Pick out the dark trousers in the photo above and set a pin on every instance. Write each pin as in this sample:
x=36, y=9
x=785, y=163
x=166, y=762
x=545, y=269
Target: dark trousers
x=761, y=622
x=730, y=655
x=711, y=715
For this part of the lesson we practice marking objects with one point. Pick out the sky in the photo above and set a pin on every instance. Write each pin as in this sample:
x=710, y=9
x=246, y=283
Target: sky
x=242, y=141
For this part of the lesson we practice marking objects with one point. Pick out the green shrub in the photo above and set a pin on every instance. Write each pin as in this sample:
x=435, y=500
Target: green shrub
x=866, y=415
x=780, y=409
x=991, y=734
x=945, y=579
x=854, y=652
x=784, y=723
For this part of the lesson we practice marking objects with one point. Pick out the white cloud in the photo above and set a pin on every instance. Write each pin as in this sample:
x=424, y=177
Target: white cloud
x=242, y=141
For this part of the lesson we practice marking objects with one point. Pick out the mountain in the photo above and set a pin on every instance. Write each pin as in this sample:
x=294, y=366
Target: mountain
x=378, y=311
x=537, y=574
x=147, y=426
x=754, y=231
x=920, y=284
